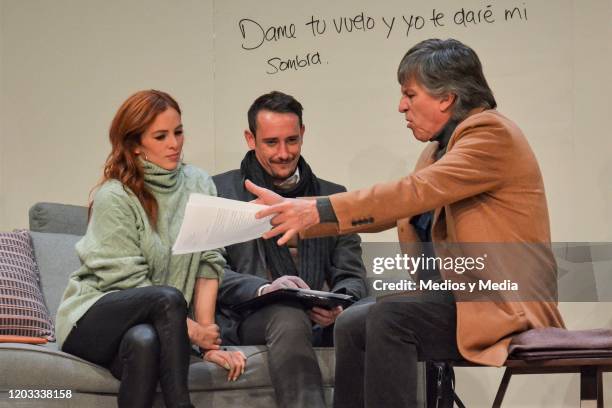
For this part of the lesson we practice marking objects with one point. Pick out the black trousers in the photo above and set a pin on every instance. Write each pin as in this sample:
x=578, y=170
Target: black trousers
x=378, y=345
x=294, y=369
x=140, y=334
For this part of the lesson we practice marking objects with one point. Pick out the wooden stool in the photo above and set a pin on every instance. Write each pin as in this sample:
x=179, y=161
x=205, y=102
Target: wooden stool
x=590, y=369
x=556, y=350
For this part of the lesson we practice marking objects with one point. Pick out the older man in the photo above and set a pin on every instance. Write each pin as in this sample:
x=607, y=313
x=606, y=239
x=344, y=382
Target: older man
x=477, y=181
x=275, y=138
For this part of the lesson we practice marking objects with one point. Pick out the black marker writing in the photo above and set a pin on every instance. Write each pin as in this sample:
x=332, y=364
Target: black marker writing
x=465, y=17
x=359, y=22
x=417, y=22
x=435, y=18
x=316, y=26
x=279, y=65
x=510, y=13
x=389, y=26
x=257, y=32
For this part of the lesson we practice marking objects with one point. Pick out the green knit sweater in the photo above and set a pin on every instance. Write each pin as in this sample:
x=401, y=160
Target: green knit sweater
x=121, y=249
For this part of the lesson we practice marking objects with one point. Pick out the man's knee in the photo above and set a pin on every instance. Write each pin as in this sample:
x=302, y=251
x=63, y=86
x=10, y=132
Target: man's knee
x=288, y=323
x=351, y=321
x=383, y=319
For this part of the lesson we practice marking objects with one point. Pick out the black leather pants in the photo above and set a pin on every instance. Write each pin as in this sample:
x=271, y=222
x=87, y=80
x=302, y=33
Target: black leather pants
x=140, y=334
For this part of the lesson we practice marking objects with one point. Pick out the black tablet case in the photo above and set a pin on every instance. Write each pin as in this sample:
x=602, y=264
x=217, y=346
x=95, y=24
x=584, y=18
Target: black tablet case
x=305, y=297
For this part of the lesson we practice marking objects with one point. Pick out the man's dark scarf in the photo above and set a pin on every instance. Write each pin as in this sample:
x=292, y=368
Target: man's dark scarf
x=313, y=253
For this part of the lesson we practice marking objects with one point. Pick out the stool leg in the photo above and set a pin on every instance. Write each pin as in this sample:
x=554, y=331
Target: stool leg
x=591, y=387
x=600, y=388
x=503, y=386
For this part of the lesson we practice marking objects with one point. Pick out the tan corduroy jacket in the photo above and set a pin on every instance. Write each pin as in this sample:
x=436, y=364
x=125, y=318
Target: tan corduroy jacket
x=487, y=188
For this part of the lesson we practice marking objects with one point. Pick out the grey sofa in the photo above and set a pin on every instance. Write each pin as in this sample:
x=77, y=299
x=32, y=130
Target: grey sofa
x=55, y=228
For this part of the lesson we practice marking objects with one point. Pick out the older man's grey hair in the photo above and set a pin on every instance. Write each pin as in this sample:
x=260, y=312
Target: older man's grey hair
x=448, y=66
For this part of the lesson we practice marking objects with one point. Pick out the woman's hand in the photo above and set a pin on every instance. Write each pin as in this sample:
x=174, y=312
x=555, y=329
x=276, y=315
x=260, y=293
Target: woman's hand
x=233, y=361
x=205, y=336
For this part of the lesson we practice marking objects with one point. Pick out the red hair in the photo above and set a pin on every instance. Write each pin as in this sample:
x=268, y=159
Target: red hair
x=132, y=119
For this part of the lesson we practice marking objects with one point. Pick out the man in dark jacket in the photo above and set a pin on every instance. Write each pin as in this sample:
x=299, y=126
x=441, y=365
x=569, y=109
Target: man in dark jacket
x=275, y=137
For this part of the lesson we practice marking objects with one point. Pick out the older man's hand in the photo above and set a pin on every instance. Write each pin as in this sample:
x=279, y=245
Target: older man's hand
x=291, y=215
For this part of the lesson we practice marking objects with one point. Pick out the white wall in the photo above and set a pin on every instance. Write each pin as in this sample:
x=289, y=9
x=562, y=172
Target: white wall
x=592, y=64
x=548, y=72
x=66, y=65
x=2, y=92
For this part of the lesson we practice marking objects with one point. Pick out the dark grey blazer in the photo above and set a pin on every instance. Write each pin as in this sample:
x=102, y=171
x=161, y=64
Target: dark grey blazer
x=247, y=271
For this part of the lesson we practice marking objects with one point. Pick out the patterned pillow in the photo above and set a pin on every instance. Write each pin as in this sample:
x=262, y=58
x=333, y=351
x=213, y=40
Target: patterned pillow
x=22, y=307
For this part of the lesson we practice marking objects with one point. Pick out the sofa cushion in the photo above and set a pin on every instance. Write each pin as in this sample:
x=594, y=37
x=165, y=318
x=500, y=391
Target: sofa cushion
x=61, y=218
x=22, y=307
x=36, y=366
x=47, y=367
x=57, y=259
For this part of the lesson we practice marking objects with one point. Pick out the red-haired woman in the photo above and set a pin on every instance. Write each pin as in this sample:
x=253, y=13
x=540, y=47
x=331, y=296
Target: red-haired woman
x=133, y=306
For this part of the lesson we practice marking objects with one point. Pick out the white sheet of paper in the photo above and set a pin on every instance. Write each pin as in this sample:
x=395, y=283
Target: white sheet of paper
x=214, y=222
